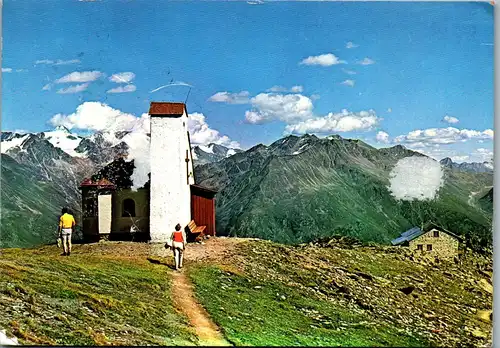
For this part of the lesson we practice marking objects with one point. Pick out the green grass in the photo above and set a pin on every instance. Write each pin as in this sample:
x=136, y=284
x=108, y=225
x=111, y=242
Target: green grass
x=88, y=300
x=272, y=314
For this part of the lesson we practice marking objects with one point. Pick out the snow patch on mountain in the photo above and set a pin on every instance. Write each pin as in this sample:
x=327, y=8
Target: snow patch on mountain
x=66, y=141
x=207, y=149
x=13, y=142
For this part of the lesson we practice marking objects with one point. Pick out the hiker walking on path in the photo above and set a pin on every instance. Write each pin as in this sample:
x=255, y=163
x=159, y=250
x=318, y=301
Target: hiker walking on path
x=178, y=239
x=66, y=225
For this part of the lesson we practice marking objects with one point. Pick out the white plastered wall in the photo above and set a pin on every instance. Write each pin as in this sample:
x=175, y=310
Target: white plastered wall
x=104, y=213
x=170, y=195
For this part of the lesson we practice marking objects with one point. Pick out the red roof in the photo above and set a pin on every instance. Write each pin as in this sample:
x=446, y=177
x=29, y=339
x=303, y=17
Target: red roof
x=166, y=109
x=103, y=183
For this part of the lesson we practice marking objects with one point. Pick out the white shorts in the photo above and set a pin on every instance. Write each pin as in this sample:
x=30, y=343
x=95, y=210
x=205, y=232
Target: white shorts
x=66, y=232
x=178, y=245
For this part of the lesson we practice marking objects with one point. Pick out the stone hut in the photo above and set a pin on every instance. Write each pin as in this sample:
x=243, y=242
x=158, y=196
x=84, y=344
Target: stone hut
x=430, y=240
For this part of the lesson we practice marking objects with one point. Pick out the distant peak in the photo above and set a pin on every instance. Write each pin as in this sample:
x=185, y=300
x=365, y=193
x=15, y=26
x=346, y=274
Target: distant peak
x=309, y=136
x=62, y=129
x=399, y=147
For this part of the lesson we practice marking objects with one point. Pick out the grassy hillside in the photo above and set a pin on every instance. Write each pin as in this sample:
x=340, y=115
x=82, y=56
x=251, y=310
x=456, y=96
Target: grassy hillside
x=271, y=294
x=301, y=189
x=257, y=292
x=30, y=206
x=100, y=295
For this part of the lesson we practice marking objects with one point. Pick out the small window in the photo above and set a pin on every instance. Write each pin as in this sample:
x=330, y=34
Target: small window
x=128, y=208
x=429, y=247
x=420, y=247
x=436, y=234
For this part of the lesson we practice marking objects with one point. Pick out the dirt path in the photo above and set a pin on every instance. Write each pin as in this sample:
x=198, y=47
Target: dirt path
x=207, y=332
x=183, y=293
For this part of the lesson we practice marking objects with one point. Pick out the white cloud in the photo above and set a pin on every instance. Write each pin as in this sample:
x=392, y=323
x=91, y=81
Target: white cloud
x=47, y=87
x=124, y=77
x=44, y=61
x=450, y=119
x=351, y=45
x=449, y=135
x=459, y=159
x=123, y=89
x=327, y=59
x=9, y=70
x=349, y=83
x=349, y=72
x=58, y=62
x=138, y=143
x=344, y=121
x=483, y=155
x=85, y=76
x=73, y=89
x=231, y=98
x=201, y=134
x=95, y=116
x=382, y=137
x=389, y=110
x=268, y=107
x=315, y=96
x=278, y=89
x=416, y=178
x=366, y=61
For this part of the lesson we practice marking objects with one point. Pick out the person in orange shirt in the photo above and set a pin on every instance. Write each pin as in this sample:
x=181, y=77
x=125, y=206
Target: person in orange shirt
x=66, y=226
x=178, y=239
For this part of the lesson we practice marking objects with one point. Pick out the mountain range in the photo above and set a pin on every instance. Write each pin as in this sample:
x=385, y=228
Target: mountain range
x=297, y=189
x=474, y=167
x=41, y=173
x=300, y=189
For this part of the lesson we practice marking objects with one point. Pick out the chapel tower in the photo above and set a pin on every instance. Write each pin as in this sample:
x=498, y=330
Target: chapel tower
x=171, y=169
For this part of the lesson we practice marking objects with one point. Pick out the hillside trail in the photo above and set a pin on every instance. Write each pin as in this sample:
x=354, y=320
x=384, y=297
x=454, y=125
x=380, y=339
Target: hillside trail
x=183, y=294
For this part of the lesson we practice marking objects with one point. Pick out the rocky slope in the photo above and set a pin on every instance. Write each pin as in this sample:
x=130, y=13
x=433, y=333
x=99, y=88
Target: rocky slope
x=331, y=293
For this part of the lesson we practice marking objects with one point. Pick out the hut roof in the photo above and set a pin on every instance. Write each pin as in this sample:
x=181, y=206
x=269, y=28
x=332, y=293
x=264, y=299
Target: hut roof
x=416, y=232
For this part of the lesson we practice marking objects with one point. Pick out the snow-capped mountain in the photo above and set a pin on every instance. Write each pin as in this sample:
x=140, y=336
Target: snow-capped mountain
x=41, y=173
x=474, y=167
x=211, y=153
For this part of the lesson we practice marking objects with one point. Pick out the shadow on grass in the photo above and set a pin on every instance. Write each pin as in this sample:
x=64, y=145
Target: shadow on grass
x=158, y=262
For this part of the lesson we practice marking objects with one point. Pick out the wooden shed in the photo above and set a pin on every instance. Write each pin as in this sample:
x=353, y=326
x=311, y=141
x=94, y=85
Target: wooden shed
x=203, y=208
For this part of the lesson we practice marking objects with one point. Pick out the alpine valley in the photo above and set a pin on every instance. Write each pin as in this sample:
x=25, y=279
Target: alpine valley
x=296, y=190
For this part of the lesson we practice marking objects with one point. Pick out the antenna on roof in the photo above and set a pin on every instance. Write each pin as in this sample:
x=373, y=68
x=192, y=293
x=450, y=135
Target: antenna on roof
x=187, y=95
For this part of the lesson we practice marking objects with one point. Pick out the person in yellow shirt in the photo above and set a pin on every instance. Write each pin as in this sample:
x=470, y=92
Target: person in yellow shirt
x=66, y=225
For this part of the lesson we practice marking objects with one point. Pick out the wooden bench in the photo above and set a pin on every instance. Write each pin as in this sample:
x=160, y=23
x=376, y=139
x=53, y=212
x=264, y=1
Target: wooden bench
x=196, y=233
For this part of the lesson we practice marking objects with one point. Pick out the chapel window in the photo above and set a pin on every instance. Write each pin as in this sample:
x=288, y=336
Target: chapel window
x=128, y=208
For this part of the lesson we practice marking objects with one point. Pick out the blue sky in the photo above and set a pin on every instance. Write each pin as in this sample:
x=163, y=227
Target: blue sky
x=395, y=68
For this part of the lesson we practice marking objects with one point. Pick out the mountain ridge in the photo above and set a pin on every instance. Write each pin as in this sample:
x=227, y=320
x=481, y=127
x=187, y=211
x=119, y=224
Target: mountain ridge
x=273, y=182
